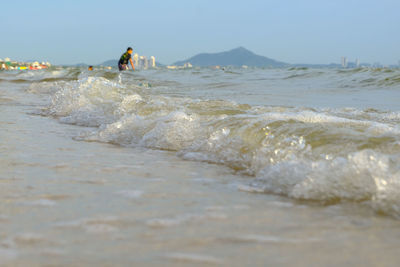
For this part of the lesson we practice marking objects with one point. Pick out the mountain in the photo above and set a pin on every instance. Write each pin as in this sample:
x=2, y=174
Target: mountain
x=236, y=57
x=110, y=63
x=81, y=65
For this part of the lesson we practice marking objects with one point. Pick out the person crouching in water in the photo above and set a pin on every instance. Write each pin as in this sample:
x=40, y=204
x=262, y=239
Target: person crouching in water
x=123, y=61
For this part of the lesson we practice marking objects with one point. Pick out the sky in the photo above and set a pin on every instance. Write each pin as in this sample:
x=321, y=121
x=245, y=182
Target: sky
x=293, y=31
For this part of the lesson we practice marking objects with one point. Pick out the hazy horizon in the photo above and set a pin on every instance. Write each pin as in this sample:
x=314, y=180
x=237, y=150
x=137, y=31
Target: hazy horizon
x=310, y=32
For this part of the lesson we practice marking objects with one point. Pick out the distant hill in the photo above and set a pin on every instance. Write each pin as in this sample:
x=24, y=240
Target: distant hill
x=110, y=63
x=236, y=57
x=81, y=65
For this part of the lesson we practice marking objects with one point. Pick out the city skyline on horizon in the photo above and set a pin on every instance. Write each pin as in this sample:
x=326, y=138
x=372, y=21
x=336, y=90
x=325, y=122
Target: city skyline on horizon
x=344, y=61
x=312, y=31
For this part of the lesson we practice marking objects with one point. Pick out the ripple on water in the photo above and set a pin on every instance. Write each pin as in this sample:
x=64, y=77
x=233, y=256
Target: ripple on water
x=185, y=218
x=3, y=218
x=194, y=258
x=255, y=238
x=204, y=181
x=41, y=202
x=7, y=254
x=131, y=194
x=27, y=239
x=96, y=225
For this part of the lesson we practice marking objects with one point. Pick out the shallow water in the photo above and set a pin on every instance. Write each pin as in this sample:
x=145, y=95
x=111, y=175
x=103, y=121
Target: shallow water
x=200, y=167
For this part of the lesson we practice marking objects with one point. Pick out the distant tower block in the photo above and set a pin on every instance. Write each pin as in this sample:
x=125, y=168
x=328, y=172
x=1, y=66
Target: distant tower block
x=144, y=63
x=152, y=62
x=357, y=63
x=344, y=62
x=136, y=60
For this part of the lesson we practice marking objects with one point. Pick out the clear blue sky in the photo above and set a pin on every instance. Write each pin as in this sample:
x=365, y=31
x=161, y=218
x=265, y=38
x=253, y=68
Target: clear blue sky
x=294, y=31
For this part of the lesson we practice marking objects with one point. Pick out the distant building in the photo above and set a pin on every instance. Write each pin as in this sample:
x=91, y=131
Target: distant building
x=144, y=63
x=357, y=63
x=136, y=60
x=21, y=65
x=377, y=65
x=187, y=65
x=344, y=62
x=141, y=61
x=152, y=62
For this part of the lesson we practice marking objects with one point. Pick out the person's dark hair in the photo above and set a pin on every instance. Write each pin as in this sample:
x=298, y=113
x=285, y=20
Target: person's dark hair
x=129, y=48
x=90, y=66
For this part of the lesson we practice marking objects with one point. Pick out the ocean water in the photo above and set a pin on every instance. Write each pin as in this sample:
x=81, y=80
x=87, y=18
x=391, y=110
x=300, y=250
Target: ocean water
x=225, y=167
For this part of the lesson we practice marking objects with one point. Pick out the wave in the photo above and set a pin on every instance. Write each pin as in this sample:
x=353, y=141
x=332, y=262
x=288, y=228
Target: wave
x=349, y=78
x=49, y=75
x=324, y=155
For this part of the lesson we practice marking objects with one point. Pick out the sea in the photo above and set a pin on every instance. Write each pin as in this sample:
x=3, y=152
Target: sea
x=200, y=167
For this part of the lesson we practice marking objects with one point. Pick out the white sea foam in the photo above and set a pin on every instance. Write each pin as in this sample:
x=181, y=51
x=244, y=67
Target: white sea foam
x=314, y=154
